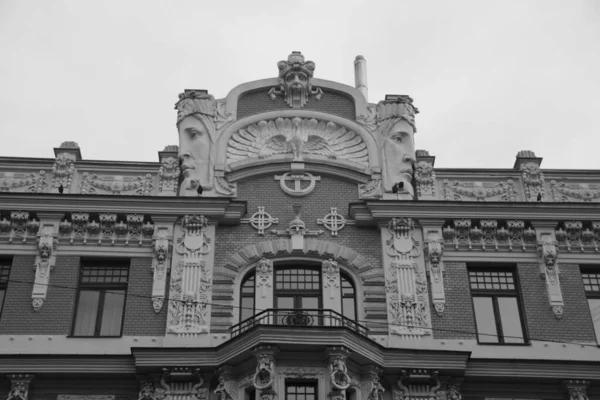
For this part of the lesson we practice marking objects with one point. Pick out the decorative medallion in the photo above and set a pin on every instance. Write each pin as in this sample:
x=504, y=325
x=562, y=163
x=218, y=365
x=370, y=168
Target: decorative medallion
x=260, y=220
x=297, y=178
x=334, y=222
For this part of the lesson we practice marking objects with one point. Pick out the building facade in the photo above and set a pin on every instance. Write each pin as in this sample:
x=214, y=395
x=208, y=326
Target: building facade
x=295, y=246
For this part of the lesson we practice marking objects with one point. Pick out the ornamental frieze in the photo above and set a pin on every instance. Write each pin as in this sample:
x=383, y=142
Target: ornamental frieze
x=116, y=184
x=479, y=191
x=574, y=192
x=489, y=234
x=23, y=182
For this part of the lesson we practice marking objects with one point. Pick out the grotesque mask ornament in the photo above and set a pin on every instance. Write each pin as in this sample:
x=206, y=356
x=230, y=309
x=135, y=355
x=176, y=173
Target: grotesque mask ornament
x=295, y=81
x=196, y=126
x=396, y=119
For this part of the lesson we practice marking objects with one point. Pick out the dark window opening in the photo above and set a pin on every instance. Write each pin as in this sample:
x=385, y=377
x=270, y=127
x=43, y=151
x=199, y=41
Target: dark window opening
x=247, y=307
x=591, y=285
x=297, y=390
x=5, y=264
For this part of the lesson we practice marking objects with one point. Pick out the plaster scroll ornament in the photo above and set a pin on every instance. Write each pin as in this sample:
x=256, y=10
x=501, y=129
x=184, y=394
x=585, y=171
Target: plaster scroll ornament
x=168, y=175
x=480, y=191
x=396, y=128
x=19, y=386
x=160, y=266
x=434, y=249
x=44, y=264
x=334, y=222
x=63, y=169
x=191, y=280
x=295, y=81
x=197, y=141
x=406, y=285
x=260, y=220
x=533, y=181
x=264, y=276
x=563, y=192
x=549, y=270
x=331, y=277
x=298, y=138
x=30, y=182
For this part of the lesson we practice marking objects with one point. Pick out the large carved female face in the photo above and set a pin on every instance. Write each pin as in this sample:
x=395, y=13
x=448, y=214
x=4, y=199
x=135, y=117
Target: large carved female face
x=194, y=153
x=398, y=155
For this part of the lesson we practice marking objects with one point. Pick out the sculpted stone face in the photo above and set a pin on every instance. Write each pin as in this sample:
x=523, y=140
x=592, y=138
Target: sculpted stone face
x=398, y=155
x=194, y=153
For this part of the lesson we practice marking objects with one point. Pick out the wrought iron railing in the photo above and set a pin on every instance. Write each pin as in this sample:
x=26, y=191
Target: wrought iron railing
x=298, y=318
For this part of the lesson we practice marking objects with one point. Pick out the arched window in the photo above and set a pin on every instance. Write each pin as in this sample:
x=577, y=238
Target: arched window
x=348, y=297
x=298, y=288
x=247, y=297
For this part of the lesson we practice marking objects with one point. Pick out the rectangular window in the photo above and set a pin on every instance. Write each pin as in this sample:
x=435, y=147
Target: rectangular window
x=101, y=298
x=496, y=305
x=591, y=284
x=299, y=390
x=5, y=264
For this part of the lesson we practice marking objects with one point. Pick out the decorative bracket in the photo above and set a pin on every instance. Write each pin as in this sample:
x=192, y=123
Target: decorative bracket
x=181, y=383
x=227, y=387
x=44, y=263
x=548, y=252
x=19, y=386
x=434, y=249
x=260, y=220
x=161, y=264
x=577, y=389
x=417, y=384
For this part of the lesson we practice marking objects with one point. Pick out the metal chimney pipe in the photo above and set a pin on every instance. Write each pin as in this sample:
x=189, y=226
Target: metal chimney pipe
x=360, y=76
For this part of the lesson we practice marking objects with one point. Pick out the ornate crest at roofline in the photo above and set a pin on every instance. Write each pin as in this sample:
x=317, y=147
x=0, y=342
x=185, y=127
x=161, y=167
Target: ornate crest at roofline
x=295, y=81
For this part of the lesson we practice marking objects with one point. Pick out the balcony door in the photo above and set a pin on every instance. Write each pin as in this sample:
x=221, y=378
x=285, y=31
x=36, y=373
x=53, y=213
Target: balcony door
x=298, y=288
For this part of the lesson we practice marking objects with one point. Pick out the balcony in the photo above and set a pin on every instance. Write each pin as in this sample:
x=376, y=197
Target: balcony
x=298, y=318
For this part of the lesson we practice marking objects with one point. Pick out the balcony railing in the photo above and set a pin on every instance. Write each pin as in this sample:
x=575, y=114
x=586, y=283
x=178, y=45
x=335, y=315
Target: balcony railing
x=298, y=318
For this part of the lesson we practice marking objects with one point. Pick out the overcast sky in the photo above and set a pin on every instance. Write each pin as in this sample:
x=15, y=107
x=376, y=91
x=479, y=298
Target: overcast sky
x=489, y=77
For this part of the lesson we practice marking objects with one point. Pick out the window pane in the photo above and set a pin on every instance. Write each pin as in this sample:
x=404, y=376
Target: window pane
x=310, y=302
x=484, y=317
x=348, y=308
x=2, y=291
x=510, y=320
x=112, y=313
x=595, y=311
x=247, y=308
x=285, y=302
x=87, y=310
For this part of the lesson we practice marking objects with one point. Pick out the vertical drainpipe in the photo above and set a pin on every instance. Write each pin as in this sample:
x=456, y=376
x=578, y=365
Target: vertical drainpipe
x=360, y=75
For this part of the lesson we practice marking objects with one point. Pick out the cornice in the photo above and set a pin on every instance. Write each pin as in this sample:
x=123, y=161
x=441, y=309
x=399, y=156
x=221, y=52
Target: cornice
x=67, y=364
x=223, y=210
x=536, y=369
x=369, y=213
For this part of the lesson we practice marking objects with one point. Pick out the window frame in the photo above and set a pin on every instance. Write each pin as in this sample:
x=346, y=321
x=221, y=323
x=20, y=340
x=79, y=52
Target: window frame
x=302, y=382
x=494, y=294
x=250, y=275
x=102, y=288
x=591, y=294
x=298, y=293
x=4, y=261
x=348, y=278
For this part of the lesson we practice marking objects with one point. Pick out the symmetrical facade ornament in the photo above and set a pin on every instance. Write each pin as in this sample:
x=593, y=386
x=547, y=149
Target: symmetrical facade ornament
x=147, y=391
x=301, y=372
x=181, y=383
x=418, y=384
x=425, y=180
x=264, y=277
x=577, y=389
x=44, y=263
x=28, y=182
x=160, y=265
x=263, y=379
x=295, y=81
x=168, y=175
x=331, y=278
x=21, y=225
x=489, y=234
x=406, y=284
x=371, y=387
x=191, y=278
x=297, y=138
x=434, y=250
x=64, y=165
x=19, y=386
x=334, y=222
x=116, y=185
x=479, y=191
x=533, y=182
x=297, y=179
x=565, y=192
x=109, y=229
x=297, y=230
x=549, y=270
x=260, y=220
x=572, y=235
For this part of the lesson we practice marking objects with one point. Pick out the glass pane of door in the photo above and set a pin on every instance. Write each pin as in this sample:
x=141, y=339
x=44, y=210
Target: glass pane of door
x=286, y=303
x=112, y=313
x=311, y=303
x=510, y=319
x=484, y=317
x=87, y=310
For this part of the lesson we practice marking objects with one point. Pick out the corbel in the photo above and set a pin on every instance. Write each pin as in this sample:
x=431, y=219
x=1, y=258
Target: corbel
x=549, y=269
x=434, y=250
x=19, y=386
x=577, y=389
x=162, y=245
x=47, y=243
x=264, y=377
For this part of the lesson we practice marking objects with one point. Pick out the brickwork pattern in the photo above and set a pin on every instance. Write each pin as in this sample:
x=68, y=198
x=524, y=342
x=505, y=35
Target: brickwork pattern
x=576, y=323
x=265, y=191
x=331, y=102
x=56, y=315
x=140, y=318
x=458, y=318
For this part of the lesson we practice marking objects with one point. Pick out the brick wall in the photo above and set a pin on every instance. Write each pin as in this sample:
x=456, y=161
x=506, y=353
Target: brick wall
x=48, y=389
x=458, y=318
x=56, y=314
x=331, y=102
x=265, y=191
x=575, y=325
x=140, y=318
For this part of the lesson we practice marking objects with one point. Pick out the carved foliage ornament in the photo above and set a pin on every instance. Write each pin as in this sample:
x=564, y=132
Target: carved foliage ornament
x=297, y=137
x=81, y=228
x=533, y=180
x=168, y=175
x=119, y=184
x=33, y=183
x=486, y=234
x=295, y=81
x=21, y=225
x=425, y=179
x=562, y=192
x=63, y=169
x=480, y=191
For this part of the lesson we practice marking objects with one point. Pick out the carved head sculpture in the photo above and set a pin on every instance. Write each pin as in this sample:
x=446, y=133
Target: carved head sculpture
x=396, y=118
x=18, y=392
x=295, y=79
x=197, y=136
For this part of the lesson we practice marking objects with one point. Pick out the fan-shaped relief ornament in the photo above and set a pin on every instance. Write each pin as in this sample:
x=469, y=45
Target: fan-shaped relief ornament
x=564, y=192
x=23, y=182
x=119, y=184
x=480, y=191
x=191, y=280
x=406, y=284
x=299, y=138
x=295, y=81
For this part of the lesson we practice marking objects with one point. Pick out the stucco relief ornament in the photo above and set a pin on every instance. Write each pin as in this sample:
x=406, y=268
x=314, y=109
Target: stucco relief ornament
x=396, y=128
x=264, y=377
x=116, y=185
x=533, y=180
x=160, y=266
x=340, y=380
x=425, y=179
x=295, y=81
x=434, y=248
x=63, y=169
x=191, y=281
x=47, y=243
x=372, y=389
x=196, y=125
x=260, y=220
x=582, y=191
x=334, y=222
x=34, y=183
x=226, y=389
x=187, y=386
x=550, y=271
x=19, y=386
x=331, y=277
x=168, y=175
x=147, y=392
x=264, y=276
x=371, y=189
x=480, y=191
